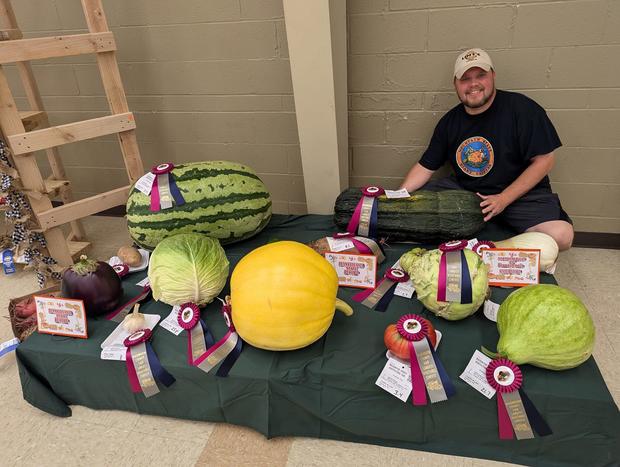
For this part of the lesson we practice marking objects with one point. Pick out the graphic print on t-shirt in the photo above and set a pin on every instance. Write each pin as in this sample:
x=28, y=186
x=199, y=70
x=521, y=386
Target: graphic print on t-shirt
x=475, y=157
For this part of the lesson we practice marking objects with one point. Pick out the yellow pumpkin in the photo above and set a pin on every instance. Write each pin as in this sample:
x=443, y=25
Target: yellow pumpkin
x=283, y=296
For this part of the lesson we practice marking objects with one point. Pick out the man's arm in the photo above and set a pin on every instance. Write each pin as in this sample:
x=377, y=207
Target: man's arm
x=492, y=205
x=416, y=178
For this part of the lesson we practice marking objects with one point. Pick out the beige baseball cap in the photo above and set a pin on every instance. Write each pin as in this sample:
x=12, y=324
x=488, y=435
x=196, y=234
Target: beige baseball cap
x=471, y=58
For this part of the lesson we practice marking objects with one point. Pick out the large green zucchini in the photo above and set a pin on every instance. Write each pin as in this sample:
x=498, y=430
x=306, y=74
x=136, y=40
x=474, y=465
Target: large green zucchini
x=425, y=216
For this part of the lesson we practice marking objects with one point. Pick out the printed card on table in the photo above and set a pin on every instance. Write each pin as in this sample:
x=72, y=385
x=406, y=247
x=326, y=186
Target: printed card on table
x=61, y=316
x=512, y=267
x=354, y=270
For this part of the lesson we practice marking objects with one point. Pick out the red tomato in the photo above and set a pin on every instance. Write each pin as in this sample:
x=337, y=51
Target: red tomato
x=398, y=345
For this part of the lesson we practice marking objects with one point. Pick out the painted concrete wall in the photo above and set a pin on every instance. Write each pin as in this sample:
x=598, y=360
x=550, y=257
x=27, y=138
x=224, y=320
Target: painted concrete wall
x=210, y=79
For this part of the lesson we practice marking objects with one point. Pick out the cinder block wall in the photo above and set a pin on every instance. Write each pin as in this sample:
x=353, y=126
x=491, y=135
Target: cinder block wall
x=210, y=79
x=563, y=54
x=206, y=80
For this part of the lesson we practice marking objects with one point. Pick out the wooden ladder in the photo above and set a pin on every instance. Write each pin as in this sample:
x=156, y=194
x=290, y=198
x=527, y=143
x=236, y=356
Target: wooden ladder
x=28, y=131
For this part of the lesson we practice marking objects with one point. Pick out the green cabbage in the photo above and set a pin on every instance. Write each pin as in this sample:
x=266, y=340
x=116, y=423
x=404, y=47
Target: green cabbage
x=188, y=268
x=423, y=268
x=546, y=326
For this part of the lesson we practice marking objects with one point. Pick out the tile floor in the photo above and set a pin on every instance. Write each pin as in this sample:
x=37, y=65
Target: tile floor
x=34, y=438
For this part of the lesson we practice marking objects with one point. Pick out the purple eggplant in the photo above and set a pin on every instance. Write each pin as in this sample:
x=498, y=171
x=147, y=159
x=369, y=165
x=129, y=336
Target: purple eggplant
x=96, y=283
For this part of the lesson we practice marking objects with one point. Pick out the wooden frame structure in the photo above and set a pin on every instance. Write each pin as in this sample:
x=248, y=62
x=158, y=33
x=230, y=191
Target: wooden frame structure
x=29, y=131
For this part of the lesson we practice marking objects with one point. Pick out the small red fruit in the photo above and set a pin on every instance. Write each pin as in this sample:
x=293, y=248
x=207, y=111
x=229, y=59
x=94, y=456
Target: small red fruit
x=398, y=345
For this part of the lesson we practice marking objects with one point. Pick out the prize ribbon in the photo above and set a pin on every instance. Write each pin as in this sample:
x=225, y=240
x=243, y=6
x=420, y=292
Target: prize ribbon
x=143, y=367
x=164, y=189
x=482, y=245
x=121, y=269
x=119, y=314
x=515, y=411
x=227, y=349
x=454, y=281
x=364, y=245
x=364, y=219
x=380, y=297
x=427, y=371
x=199, y=337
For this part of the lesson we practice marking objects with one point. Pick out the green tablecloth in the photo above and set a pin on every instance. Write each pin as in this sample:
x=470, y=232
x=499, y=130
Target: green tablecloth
x=328, y=390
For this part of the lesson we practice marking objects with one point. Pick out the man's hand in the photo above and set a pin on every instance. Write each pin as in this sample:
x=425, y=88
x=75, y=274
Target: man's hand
x=492, y=205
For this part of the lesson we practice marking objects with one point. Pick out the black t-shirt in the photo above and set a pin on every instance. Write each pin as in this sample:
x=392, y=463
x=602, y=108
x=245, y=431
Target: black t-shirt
x=490, y=150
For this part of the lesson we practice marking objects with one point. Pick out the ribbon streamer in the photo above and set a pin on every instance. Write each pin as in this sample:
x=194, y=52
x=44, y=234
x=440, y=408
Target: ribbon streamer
x=199, y=337
x=164, y=189
x=143, y=367
x=119, y=314
x=380, y=297
x=427, y=372
x=516, y=414
x=8, y=346
x=364, y=219
x=454, y=281
x=204, y=352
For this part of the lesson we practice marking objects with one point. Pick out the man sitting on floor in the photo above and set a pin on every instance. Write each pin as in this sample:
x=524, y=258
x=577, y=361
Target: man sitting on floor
x=500, y=145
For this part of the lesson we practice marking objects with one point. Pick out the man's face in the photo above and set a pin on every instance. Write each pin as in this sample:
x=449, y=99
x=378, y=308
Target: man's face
x=475, y=87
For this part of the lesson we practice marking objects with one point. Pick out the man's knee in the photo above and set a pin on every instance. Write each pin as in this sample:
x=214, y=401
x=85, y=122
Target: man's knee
x=561, y=231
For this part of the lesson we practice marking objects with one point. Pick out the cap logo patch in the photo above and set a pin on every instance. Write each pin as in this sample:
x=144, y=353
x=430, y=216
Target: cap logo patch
x=471, y=56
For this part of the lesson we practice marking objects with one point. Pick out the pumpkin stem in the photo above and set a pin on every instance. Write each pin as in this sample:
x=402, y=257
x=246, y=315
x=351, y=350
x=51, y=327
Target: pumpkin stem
x=488, y=353
x=344, y=307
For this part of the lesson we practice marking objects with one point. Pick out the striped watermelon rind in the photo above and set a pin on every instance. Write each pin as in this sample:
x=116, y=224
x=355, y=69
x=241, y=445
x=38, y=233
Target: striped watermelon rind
x=224, y=200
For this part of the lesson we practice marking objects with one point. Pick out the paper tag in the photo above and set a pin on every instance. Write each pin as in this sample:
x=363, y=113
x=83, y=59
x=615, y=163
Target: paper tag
x=471, y=243
x=8, y=346
x=171, y=323
x=403, y=289
x=145, y=183
x=512, y=267
x=61, y=316
x=339, y=244
x=475, y=374
x=395, y=378
x=144, y=282
x=354, y=270
x=402, y=193
x=113, y=353
x=490, y=310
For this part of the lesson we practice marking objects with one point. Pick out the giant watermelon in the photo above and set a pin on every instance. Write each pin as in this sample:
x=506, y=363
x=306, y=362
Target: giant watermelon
x=223, y=200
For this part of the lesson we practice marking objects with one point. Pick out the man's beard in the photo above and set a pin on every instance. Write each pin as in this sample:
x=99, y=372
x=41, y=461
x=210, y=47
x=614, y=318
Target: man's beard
x=480, y=103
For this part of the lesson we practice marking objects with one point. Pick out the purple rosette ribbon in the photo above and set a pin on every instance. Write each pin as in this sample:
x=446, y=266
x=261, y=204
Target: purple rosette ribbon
x=199, y=336
x=144, y=369
x=516, y=414
x=118, y=315
x=164, y=192
x=364, y=219
x=380, y=297
x=427, y=372
x=454, y=281
x=482, y=245
x=121, y=269
x=364, y=245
